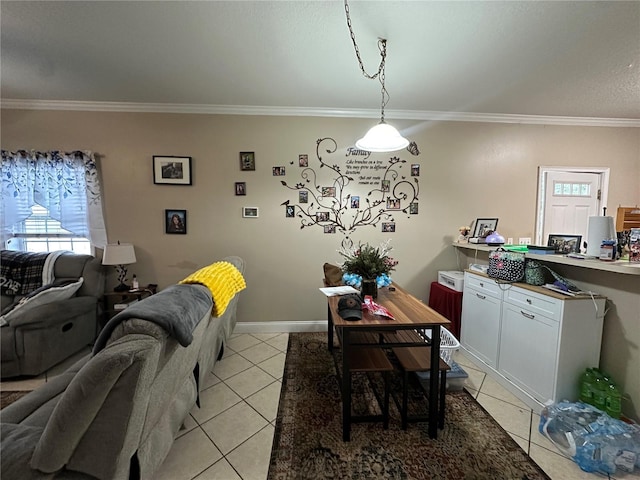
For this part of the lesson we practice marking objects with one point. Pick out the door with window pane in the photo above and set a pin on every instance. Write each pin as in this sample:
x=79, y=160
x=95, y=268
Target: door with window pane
x=570, y=199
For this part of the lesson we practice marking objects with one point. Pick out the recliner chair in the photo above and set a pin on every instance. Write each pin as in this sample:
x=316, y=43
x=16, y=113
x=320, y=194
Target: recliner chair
x=48, y=328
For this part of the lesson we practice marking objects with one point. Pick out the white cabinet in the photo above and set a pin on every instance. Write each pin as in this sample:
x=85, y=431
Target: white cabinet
x=480, y=323
x=528, y=346
x=543, y=341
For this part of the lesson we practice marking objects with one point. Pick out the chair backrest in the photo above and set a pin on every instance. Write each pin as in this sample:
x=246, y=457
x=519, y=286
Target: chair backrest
x=73, y=266
x=332, y=275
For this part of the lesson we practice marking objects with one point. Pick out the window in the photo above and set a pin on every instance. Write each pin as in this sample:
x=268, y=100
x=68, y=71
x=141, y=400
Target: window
x=50, y=201
x=571, y=189
x=41, y=233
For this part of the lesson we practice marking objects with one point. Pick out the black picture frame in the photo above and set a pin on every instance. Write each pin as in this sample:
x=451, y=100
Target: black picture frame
x=171, y=170
x=484, y=226
x=175, y=222
x=241, y=188
x=247, y=161
x=565, y=243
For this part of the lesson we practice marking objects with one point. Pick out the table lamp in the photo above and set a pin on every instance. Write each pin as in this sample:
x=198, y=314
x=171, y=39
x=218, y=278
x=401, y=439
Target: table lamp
x=119, y=254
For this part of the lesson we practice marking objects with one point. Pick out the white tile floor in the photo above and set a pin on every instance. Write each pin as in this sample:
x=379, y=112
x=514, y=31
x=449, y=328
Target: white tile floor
x=230, y=437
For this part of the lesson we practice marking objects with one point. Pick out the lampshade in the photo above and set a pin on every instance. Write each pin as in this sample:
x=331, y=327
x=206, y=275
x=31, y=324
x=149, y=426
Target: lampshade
x=118, y=254
x=382, y=138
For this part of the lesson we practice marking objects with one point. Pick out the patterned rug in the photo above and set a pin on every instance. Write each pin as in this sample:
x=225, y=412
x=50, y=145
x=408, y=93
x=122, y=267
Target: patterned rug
x=308, y=442
x=8, y=397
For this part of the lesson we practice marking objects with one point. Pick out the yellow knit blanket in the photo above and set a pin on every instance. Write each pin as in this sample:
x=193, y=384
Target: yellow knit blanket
x=223, y=279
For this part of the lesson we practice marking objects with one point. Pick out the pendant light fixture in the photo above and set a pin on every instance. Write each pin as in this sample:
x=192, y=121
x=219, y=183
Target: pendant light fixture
x=383, y=137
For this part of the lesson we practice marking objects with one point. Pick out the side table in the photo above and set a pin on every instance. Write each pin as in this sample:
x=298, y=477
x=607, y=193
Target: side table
x=448, y=303
x=110, y=299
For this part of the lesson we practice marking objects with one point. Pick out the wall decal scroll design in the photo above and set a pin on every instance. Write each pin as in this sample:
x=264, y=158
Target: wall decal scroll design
x=333, y=206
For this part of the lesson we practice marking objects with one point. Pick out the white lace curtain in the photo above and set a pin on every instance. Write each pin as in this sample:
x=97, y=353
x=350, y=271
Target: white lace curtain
x=65, y=183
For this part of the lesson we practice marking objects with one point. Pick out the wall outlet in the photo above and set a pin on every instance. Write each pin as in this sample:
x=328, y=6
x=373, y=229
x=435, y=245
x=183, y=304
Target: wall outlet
x=524, y=241
x=510, y=241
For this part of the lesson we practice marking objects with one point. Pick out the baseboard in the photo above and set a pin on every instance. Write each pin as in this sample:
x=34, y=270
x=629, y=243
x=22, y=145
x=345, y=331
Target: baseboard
x=281, y=327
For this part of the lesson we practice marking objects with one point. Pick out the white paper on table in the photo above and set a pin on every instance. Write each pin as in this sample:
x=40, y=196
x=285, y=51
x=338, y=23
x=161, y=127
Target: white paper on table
x=341, y=290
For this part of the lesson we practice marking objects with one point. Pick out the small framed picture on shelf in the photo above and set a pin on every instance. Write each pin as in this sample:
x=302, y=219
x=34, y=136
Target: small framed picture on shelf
x=250, y=212
x=247, y=161
x=484, y=226
x=565, y=243
x=171, y=170
x=175, y=222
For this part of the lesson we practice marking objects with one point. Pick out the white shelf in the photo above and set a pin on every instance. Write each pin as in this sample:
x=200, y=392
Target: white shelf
x=619, y=266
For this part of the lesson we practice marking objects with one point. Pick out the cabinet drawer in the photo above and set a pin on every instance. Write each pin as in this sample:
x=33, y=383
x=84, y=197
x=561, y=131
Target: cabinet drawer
x=534, y=302
x=485, y=285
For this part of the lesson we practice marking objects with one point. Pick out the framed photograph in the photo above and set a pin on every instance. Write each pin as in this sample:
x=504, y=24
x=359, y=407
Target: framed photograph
x=250, y=212
x=278, y=171
x=413, y=208
x=484, y=226
x=290, y=211
x=175, y=222
x=565, y=243
x=329, y=229
x=415, y=170
x=388, y=227
x=172, y=170
x=303, y=196
x=393, y=203
x=247, y=161
x=241, y=188
x=355, y=201
x=322, y=216
x=328, y=191
x=303, y=160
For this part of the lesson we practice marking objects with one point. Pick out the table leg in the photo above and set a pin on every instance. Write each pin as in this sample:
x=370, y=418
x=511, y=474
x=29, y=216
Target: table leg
x=346, y=387
x=329, y=328
x=433, y=382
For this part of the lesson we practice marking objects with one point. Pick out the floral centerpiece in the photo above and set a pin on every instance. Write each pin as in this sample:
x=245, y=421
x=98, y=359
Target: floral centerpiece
x=367, y=263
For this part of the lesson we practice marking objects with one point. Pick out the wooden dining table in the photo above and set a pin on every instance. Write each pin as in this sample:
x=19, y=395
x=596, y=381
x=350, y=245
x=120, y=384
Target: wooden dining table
x=412, y=318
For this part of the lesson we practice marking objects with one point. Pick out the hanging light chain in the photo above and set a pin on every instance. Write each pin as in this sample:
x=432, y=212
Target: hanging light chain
x=380, y=74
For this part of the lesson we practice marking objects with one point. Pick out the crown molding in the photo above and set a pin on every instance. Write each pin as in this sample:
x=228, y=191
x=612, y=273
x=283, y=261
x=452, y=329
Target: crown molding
x=315, y=112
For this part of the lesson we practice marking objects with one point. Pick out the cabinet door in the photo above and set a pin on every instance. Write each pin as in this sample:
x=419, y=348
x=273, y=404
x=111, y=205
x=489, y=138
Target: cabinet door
x=480, y=329
x=528, y=351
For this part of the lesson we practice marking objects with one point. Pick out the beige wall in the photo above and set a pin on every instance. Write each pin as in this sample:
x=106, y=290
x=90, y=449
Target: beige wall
x=468, y=170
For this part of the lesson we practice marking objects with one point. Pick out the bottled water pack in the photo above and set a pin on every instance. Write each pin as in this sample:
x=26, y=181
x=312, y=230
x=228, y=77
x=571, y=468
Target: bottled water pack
x=594, y=440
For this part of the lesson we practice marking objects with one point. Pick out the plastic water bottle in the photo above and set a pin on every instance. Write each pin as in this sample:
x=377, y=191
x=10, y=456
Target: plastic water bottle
x=586, y=386
x=614, y=401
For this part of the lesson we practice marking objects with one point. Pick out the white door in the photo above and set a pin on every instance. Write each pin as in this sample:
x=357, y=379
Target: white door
x=569, y=199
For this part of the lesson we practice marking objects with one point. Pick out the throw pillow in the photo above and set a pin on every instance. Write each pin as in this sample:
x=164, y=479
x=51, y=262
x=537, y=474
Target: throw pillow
x=9, y=286
x=43, y=295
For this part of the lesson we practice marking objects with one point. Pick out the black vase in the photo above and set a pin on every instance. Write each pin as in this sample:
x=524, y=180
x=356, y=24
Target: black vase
x=369, y=287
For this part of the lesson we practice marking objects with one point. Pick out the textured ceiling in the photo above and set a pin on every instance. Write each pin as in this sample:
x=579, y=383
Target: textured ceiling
x=570, y=58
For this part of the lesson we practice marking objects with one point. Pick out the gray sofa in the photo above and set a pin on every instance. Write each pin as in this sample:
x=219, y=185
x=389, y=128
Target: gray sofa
x=52, y=322
x=115, y=413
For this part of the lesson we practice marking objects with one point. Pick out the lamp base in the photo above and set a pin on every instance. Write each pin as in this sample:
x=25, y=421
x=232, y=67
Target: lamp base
x=122, y=288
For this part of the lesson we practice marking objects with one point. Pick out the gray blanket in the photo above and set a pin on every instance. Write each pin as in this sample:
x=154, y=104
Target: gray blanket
x=178, y=309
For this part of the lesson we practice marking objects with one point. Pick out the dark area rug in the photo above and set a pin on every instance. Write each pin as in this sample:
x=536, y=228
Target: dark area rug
x=8, y=397
x=308, y=437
